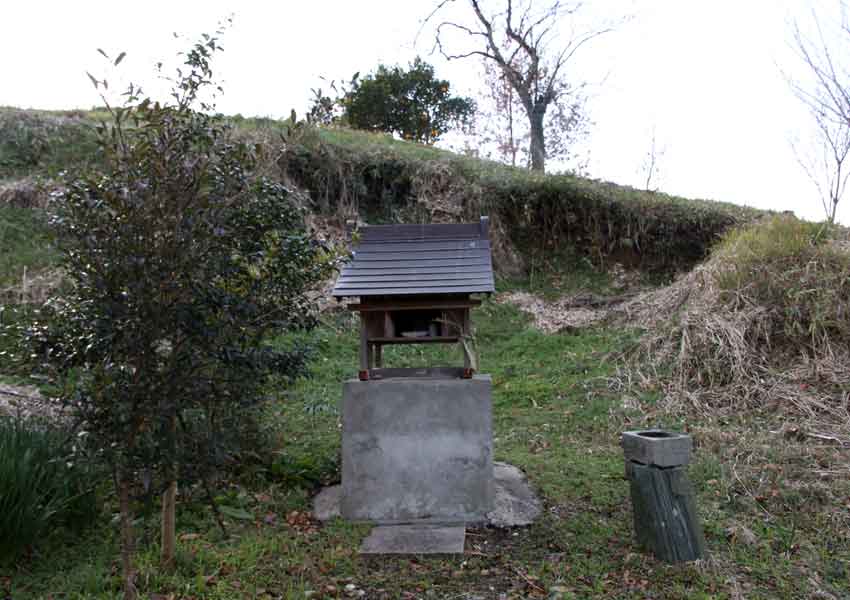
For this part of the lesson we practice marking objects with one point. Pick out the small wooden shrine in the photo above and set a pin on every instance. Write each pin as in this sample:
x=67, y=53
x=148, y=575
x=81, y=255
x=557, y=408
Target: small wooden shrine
x=414, y=284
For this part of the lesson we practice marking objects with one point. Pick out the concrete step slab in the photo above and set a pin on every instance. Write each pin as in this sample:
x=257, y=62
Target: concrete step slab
x=415, y=539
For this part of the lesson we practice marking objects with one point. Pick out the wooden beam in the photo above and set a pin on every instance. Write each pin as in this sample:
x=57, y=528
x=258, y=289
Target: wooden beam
x=364, y=349
x=418, y=304
x=435, y=372
x=441, y=339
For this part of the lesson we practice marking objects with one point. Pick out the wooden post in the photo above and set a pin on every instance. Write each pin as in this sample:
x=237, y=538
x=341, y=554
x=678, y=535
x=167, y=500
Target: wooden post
x=364, y=350
x=665, y=516
x=379, y=358
x=128, y=570
x=466, y=332
x=168, y=544
x=484, y=227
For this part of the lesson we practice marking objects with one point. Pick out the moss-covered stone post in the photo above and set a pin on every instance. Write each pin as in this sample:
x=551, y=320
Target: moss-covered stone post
x=665, y=517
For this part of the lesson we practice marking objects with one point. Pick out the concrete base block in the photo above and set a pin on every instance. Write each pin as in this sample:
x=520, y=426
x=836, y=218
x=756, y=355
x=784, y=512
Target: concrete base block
x=415, y=449
x=657, y=447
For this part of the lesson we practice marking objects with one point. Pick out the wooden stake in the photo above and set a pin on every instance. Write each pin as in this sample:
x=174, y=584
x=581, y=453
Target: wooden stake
x=169, y=500
x=169, y=503
x=127, y=541
x=665, y=516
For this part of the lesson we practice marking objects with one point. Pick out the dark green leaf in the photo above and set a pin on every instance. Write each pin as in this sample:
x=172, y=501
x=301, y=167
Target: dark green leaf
x=235, y=513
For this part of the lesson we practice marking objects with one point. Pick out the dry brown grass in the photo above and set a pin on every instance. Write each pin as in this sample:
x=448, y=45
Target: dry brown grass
x=33, y=288
x=25, y=193
x=752, y=351
x=763, y=325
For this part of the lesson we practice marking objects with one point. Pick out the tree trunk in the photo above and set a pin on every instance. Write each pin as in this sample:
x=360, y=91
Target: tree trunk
x=537, y=144
x=511, y=140
x=169, y=499
x=127, y=542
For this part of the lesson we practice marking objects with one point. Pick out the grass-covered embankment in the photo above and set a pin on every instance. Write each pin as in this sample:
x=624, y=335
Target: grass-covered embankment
x=350, y=173
x=25, y=245
x=541, y=215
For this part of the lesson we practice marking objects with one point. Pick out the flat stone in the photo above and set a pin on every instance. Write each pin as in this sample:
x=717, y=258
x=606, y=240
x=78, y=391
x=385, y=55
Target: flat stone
x=415, y=539
x=515, y=503
x=326, y=503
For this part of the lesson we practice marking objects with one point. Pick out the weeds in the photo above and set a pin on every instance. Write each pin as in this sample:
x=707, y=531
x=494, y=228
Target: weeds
x=27, y=257
x=41, y=484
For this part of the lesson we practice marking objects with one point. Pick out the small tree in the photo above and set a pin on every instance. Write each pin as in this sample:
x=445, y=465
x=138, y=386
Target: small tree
x=501, y=124
x=497, y=123
x=412, y=103
x=650, y=166
x=826, y=95
x=182, y=262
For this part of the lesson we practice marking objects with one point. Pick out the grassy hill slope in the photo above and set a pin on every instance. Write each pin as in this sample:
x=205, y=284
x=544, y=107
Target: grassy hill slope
x=772, y=487
x=355, y=174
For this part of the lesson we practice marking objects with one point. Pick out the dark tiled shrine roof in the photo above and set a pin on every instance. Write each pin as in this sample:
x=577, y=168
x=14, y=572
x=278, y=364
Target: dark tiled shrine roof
x=394, y=260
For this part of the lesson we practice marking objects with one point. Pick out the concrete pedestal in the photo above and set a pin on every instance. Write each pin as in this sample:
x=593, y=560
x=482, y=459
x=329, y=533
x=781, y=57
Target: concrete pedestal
x=417, y=449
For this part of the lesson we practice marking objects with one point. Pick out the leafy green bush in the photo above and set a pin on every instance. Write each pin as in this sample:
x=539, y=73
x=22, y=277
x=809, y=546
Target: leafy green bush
x=42, y=484
x=411, y=103
x=182, y=259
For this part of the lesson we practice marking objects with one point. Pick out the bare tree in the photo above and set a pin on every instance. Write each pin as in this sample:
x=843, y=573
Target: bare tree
x=519, y=39
x=497, y=114
x=649, y=167
x=826, y=95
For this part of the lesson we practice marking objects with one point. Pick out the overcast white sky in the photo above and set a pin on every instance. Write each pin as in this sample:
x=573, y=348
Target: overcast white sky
x=705, y=74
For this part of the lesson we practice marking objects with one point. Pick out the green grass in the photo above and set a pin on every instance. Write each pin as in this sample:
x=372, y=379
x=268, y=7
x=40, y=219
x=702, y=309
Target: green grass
x=388, y=180
x=42, y=484
x=557, y=418
x=24, y=244
x=558, y=410
x=46, y=142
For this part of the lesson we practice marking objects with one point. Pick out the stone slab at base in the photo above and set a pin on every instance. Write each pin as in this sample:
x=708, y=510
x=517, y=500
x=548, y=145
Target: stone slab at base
x=417, y=449
x=514, y=505
x=415, y=539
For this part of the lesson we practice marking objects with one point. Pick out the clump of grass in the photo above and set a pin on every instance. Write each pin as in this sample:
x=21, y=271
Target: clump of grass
x=763, y=325
x=789, y=268
x=41, y=485
x=25, y=247
x=33, y=141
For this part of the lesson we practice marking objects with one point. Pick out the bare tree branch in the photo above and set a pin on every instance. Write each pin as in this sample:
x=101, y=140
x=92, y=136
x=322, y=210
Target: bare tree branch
x=827, y=98
x=518, y=40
